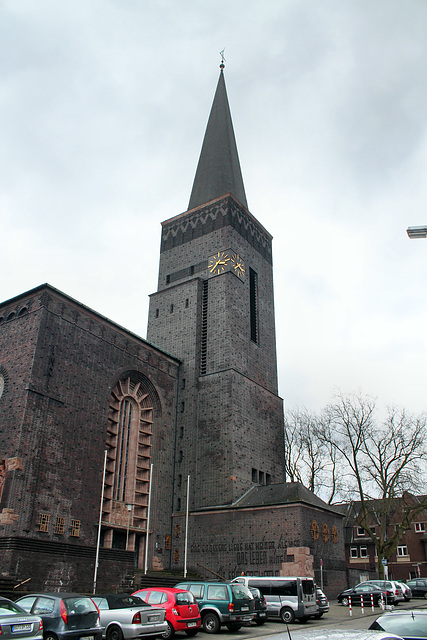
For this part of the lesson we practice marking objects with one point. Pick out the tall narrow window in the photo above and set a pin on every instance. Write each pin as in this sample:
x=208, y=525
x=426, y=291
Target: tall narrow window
x=122, y=459
x=253, y=293
x=129, y=432
x=204, y=336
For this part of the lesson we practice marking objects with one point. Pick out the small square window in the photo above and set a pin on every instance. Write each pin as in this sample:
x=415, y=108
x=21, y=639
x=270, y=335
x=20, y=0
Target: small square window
x=60, y=526
x=75, y=528
x=254, y=475
x=402, y=550
x=360, y=531
x=420, y=527
x=363, y=552
x=267, y=478
x=353, y=552
x=43, y=522
x=261, y=477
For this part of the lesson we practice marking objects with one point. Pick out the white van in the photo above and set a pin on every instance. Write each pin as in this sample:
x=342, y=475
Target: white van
x=287, y=597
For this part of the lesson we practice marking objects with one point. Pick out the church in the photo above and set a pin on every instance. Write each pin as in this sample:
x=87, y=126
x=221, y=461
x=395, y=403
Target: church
x=161, y=454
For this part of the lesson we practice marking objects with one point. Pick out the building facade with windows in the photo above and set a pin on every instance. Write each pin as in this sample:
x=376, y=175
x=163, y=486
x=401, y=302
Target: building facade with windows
x=93, y=414
x=409, y=559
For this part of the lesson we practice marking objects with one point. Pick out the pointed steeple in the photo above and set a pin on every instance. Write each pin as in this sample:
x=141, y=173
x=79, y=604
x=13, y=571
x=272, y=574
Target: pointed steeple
x=218, y=171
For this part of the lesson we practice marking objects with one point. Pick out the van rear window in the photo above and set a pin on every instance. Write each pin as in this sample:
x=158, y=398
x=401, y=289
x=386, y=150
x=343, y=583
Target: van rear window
x=307, y=587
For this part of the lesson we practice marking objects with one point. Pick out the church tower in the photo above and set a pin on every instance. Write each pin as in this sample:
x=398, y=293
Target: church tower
x=214, y=310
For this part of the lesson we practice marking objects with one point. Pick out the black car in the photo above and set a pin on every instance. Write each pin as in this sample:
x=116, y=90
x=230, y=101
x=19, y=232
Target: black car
x=260, y=606
x=418, y=587
x=362, y=592
x=66, y=616
x=410, y=624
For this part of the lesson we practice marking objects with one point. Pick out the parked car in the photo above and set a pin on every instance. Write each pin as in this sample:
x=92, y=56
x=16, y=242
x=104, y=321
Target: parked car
x=394, y=589
x=409, y=624
x=66, y=616
x=365, y=592
x=221, y=603
x=126, y=616
x=260, y=606
x=336, y=634
x=418, y=587
x=180, y=606
x=287, y=597
x=322, y=603
x=15, y=622
x=407, y=593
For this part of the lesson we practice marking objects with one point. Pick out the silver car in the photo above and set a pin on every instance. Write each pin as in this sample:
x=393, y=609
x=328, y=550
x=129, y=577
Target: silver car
x=16, y=623
x=335, y=634
x=126, y=617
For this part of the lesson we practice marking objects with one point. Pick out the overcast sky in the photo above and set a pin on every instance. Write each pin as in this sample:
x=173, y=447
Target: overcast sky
x=104, y=105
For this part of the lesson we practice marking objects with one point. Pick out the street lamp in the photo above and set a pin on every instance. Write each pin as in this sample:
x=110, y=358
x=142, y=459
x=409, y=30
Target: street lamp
x=417, y=232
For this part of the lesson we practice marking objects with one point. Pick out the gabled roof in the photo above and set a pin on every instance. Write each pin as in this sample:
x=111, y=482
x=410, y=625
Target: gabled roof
x=283, y=493
x=218, y=171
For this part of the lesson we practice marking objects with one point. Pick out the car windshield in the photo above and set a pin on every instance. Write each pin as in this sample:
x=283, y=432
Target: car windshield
x=185, y=598
x=125, y=601
x=241, y=592
x=79, y=604
x=7, y=607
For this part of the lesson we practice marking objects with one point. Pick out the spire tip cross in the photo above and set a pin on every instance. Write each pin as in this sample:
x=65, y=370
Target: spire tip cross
x=221, y=53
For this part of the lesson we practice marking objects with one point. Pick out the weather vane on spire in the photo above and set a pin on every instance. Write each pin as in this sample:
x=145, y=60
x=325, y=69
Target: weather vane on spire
x=222, y=65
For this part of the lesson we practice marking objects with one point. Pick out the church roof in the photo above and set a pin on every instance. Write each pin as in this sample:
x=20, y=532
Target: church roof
x=283, y=493
x=277, y=495
x=218, y=171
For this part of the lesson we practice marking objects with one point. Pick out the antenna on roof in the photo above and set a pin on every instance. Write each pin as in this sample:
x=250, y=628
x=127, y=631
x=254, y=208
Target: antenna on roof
x=222, y=65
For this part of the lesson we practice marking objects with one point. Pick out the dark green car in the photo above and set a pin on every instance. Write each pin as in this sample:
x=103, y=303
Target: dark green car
x=221, y=604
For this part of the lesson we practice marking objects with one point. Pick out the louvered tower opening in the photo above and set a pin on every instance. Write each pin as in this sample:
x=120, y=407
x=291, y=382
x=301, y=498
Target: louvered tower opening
x=204, y=333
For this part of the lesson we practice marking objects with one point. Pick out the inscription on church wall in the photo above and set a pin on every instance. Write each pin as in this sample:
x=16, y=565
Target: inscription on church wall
x=270, y=552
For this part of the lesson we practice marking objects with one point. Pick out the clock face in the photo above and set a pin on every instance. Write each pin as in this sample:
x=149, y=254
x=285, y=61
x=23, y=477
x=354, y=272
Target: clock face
x=238, y=265
x=219, y=262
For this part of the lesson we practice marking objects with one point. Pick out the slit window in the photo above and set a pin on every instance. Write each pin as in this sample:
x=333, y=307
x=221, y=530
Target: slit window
x=253, y=300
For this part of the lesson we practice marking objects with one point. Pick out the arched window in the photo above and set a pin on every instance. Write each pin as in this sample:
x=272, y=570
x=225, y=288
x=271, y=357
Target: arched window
x=129, y=431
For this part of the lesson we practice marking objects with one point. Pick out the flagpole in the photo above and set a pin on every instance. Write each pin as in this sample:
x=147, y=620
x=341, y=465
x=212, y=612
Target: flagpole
x=186, y=527
x=99, y=524
x=148, y=519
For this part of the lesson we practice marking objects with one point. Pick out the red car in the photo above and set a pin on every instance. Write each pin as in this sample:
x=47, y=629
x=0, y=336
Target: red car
x=182, y=611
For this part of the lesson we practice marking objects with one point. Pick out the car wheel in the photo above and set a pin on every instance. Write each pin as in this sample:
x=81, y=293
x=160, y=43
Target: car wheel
x=169, y=633
x=344, y=601
x=318, y=615
x=287, y=615
x=260, y=622
x=233, y=626
x=425, y=595
x=191, y=632
x=49, y=636
x=114, y=633
x=211, y=623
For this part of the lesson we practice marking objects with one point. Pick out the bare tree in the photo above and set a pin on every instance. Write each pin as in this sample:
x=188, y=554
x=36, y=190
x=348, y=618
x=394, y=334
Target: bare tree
x=345, y=451
x=385, y=462
x=310, y=458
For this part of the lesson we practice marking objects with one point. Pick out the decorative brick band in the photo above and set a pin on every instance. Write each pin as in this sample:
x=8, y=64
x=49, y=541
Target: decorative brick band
x=216, y=215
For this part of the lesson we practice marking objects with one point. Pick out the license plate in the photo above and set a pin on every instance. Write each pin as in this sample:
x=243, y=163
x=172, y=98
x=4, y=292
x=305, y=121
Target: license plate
x=245, y=608
x=21, y=627
x=153, y=618
x=87, y=638
x=191, y=624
